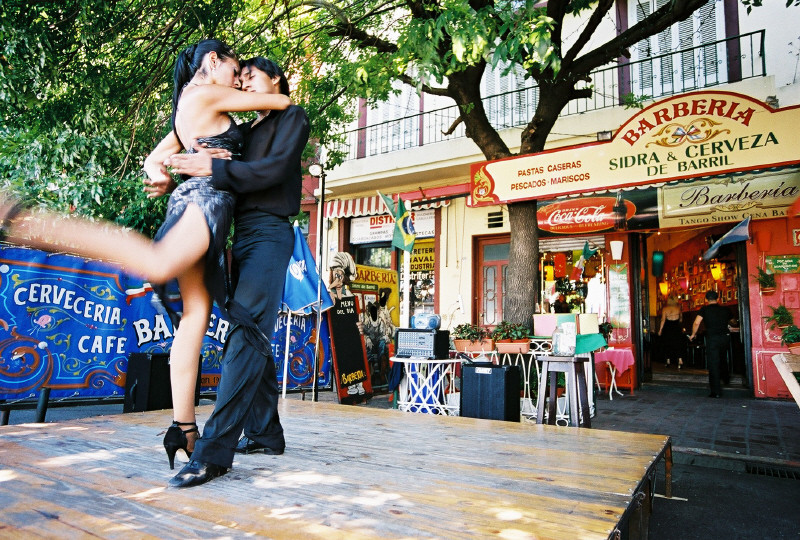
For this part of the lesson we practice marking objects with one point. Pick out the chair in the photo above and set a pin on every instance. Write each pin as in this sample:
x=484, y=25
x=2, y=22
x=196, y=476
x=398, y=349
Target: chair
x=577, y=396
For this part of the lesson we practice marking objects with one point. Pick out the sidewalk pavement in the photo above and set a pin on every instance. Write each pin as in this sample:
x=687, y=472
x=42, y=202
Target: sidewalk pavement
x=747, y=430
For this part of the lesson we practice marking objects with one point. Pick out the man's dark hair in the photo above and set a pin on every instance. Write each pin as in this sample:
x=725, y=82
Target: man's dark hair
x=271, y=69
x=712, y=295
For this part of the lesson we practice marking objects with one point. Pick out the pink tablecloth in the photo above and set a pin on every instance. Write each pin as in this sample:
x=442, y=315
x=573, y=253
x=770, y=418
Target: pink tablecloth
x=621, y=359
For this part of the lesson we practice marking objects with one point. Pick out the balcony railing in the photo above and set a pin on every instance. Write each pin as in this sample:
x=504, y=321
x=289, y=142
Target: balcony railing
x=724, y=61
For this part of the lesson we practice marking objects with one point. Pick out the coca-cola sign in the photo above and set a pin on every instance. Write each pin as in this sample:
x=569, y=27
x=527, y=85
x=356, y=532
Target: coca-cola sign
x=584, y=215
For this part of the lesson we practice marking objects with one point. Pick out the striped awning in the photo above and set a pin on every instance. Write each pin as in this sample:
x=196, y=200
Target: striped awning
x=371, y=206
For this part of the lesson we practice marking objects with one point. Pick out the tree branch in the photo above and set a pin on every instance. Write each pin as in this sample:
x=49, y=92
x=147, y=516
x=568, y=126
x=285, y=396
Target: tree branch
x=666, y=16
x=591, y=26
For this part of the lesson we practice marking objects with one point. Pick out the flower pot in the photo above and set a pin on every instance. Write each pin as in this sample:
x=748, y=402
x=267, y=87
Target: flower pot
x=521, y=346
x=767, y=290
x=794, y=348
x=465, y=345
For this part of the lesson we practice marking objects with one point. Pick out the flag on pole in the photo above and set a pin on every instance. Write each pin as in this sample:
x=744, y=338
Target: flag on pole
x=300, y=289
x=586, y=254
x=739, y=233
x=404, y=233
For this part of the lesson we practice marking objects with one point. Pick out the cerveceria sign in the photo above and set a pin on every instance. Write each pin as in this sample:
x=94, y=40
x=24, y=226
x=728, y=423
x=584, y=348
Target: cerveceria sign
x=695, y=134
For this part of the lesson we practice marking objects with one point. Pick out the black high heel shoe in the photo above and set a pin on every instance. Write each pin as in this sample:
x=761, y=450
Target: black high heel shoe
x=175, y=439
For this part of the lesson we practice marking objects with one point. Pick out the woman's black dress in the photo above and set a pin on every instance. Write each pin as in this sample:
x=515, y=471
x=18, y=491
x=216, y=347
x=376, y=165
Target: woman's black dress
x=673, y=340
x=217, y=207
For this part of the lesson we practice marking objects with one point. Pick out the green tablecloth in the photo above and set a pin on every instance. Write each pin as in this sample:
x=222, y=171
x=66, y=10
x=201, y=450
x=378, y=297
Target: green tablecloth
x=585, y=343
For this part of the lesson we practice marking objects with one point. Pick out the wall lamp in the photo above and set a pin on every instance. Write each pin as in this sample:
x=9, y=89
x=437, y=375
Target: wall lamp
x=616, y=249
x=604, y=135
x=716, y=271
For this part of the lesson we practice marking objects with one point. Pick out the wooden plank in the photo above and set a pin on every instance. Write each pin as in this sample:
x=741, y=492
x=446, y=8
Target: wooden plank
x=787, y=365
x=347, y=472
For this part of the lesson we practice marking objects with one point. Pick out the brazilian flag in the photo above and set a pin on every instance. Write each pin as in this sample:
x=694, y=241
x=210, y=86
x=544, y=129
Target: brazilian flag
x=404, y=233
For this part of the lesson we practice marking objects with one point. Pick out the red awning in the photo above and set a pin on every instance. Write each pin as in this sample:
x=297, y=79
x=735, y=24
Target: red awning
x=371, y=206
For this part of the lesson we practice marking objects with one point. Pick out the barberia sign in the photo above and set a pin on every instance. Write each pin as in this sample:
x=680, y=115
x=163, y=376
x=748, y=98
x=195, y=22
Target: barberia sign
x=728, y=199
x=585, y=215
x=695, y=134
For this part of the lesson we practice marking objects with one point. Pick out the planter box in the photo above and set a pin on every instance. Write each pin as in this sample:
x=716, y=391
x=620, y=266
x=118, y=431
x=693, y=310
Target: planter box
x=465, y=345
x=513, y=347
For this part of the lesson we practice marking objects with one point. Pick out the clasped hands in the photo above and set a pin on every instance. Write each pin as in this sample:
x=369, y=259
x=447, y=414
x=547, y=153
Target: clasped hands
x=194, y=164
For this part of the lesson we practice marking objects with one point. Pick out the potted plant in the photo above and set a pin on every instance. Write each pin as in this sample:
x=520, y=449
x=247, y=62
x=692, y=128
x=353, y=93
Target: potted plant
x=471, y=338
x=511, y=338
x=781, y=317
x=791, y=338
x=766, y=281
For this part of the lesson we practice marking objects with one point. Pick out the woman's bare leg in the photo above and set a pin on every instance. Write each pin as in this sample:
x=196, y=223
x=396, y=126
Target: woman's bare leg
x=185, y=353
x=158, y=262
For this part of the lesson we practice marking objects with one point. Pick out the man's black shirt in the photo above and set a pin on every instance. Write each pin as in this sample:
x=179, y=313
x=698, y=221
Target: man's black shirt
x=715, y=317
x=268, y=177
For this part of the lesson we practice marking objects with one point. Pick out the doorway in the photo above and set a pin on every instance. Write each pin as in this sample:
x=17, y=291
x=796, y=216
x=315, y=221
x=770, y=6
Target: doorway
x=678, y=281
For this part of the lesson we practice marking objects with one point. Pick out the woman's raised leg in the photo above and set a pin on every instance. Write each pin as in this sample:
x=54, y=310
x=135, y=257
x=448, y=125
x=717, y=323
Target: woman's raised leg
x=158, y=262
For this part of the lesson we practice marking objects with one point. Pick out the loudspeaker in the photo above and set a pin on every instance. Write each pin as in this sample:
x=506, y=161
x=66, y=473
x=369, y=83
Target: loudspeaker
x=490, y=391
x=147, y=385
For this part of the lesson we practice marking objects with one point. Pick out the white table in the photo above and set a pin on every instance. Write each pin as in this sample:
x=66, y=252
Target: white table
x=429, y=386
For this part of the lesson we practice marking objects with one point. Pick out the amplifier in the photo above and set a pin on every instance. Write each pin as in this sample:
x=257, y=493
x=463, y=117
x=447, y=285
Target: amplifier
x=147, y=384
x=490, y=391
x=430, y=344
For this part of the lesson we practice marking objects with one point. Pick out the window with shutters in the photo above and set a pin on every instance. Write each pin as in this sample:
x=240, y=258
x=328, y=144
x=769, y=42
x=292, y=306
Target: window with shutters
x=683, y=57
x=505, y=106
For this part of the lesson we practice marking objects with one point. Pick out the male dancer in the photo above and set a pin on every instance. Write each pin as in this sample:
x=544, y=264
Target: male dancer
x=716, y=318
x=267, y=183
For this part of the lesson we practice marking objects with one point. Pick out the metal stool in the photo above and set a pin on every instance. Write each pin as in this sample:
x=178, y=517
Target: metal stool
x=575, y=373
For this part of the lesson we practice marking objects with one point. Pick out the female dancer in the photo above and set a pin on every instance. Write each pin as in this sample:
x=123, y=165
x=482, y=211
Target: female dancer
x=671, y=332
x=190, y=244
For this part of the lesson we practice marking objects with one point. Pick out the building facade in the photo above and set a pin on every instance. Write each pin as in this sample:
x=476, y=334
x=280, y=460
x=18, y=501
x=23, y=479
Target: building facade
x=603, y=178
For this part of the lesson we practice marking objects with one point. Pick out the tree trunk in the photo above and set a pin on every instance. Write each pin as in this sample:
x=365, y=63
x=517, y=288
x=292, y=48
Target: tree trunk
x=522, y=279
x=522, y=285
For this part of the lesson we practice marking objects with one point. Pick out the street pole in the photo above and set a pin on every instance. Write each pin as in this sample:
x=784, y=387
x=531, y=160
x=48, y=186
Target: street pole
x=319, y=172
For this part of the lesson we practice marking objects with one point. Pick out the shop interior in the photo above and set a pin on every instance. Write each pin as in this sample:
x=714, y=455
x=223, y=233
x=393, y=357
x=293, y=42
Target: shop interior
x=676, y=272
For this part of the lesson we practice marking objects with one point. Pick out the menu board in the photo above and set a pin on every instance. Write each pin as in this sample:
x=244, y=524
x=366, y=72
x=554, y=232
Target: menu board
x=349, y=351
x=619, y=310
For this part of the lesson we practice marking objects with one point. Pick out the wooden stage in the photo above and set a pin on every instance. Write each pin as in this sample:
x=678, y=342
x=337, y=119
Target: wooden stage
x=348, y=472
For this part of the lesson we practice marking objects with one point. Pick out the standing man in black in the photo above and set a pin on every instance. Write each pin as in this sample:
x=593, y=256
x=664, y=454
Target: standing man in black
x=267, y=183
x=716, y=319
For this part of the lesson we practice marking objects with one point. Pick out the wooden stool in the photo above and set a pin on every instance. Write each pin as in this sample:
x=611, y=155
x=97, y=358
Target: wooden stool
x=573, y=368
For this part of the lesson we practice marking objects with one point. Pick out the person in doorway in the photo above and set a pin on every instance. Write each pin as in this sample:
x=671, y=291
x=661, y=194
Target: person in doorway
x=673, y=339
x=267, y=184
x=561, y=305
x=717, y=334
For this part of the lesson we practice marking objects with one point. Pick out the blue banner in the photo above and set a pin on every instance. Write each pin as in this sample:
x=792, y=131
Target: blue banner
x=302, y=339
x=69, y=324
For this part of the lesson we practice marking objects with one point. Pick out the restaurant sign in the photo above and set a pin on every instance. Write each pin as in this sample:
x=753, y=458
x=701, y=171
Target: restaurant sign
x=368, y=229
x=728, y=199
x=693, y=134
